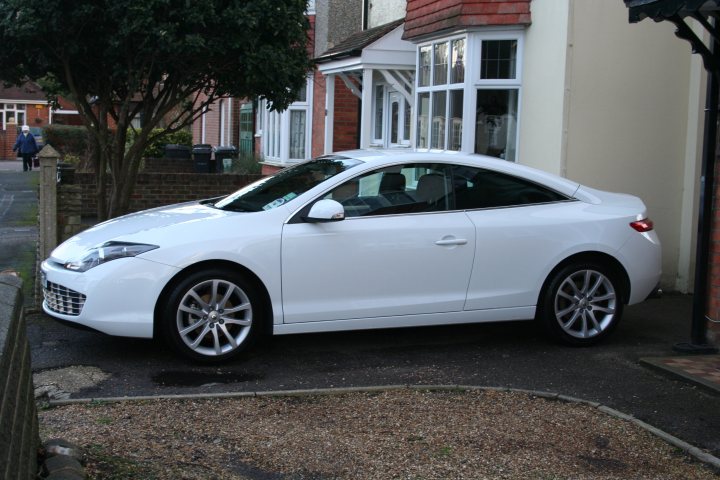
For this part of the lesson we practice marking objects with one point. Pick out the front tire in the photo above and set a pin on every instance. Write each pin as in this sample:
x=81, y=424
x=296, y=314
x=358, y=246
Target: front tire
x=581, y=304
x=212, y=315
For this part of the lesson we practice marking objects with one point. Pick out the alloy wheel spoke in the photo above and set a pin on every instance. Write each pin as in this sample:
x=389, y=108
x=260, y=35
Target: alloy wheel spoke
x=237, y=321
x=594, y=321
x=199, y=300
x=564, y=312
x=216, y=341
x=221, y=304
x=191, y=310
x=239, y=308
x=572, y=298
x=200, y=337
x=225, y=331
x=600, y=280
x=608, y=310
x=571, y=322
x=192, y=327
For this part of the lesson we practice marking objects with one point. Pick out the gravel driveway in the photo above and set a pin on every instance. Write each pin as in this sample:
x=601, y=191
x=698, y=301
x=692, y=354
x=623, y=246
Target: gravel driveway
x=394, y=434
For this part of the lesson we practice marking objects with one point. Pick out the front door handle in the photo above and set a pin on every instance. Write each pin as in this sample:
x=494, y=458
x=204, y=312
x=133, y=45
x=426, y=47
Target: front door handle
x=451, y=241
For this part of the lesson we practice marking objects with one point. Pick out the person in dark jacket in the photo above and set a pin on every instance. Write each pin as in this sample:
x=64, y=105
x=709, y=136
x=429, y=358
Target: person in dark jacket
x=26, y=146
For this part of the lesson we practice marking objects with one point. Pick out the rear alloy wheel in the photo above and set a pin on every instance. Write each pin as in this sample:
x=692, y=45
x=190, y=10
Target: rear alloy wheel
x=582, y=304
x=212, y=316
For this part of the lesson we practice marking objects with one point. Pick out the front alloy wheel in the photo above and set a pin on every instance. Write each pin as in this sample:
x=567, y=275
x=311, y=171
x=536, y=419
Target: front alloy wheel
x=211, y=316
x=582, y=304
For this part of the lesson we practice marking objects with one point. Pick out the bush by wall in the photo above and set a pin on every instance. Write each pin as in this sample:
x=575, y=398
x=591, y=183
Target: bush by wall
x=67, y=139
x=156, y=149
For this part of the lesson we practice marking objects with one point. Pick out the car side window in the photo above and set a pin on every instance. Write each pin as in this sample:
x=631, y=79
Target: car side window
x=478, y=188
x=409, y=188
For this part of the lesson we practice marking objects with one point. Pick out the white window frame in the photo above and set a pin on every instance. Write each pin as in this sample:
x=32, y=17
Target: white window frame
x=276, y=130
x=471, y=84
x=12, y=112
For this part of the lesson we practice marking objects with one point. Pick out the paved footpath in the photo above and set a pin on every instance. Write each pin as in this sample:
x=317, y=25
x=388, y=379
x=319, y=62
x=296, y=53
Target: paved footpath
x=18, y=218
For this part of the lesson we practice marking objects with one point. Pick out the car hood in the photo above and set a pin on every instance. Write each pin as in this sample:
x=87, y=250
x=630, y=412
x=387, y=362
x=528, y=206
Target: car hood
x=138, y=226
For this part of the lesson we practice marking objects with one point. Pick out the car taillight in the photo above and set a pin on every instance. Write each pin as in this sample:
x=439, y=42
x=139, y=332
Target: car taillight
x=644, y=225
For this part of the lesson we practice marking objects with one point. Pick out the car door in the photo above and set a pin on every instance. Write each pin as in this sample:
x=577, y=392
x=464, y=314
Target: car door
x=522, y=227
x=399, y=254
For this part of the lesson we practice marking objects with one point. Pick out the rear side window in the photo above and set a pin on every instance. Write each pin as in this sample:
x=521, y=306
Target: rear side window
x=477, y=188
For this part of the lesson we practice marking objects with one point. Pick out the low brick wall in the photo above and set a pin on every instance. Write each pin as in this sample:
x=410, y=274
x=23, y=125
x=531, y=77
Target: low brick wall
x=19, y=437
x=158, y=189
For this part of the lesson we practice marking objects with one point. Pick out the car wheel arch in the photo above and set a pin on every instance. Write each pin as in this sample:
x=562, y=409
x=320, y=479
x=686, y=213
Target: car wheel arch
x=592, y=256
x=214, y=264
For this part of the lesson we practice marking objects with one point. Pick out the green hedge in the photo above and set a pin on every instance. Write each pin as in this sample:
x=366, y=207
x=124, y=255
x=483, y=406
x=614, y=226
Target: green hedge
x=156, y=149
x=67, y=139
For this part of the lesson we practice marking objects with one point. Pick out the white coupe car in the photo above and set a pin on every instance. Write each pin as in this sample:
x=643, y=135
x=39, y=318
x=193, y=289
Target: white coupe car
x=360, y=240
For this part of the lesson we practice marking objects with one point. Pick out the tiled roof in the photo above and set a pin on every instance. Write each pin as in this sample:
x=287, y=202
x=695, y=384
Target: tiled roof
x=28, y=91
x=354, y=44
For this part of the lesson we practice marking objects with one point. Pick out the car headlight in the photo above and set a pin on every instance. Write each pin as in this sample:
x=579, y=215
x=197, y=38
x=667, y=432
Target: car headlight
x=105, y=253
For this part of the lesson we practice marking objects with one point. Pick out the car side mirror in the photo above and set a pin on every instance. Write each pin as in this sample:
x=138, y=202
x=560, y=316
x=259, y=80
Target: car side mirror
x=325, y=211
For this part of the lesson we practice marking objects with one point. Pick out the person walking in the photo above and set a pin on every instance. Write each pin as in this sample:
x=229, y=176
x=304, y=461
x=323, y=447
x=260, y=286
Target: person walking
x=27, y=147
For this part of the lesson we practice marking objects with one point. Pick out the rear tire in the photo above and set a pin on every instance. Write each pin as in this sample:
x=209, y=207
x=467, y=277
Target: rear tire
x=212, y=315
x=581, y=304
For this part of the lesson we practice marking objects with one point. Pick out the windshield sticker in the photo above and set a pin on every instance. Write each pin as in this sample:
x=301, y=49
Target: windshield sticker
x=280, y=201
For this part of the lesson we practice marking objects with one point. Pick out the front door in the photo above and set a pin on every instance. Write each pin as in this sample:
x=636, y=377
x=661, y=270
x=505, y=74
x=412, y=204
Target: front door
x=397, y=133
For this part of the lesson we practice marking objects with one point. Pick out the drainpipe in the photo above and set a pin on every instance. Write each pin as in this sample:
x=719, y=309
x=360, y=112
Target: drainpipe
x=698, y=334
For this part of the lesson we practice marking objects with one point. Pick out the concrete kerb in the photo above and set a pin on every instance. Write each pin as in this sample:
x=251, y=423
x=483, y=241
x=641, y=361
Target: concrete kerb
x=671, y=439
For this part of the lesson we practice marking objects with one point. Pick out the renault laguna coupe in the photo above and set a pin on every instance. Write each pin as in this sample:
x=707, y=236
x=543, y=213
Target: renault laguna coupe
x=360, y=240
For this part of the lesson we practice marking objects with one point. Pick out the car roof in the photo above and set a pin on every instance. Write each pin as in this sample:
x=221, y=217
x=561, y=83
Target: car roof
x=382, y=156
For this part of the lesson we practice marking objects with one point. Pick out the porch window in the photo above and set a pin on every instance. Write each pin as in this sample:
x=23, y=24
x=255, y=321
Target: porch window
x=391, y=118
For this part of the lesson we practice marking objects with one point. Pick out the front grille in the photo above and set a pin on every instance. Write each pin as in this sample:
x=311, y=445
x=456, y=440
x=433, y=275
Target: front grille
x=61, y=299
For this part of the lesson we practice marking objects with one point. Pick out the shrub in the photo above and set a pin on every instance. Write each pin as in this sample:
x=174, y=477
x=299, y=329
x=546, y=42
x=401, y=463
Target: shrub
x=156, y=149
x=247, y=164
x=67, y=139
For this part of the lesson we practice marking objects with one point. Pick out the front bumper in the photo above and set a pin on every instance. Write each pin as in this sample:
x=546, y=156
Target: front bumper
x=117, y=298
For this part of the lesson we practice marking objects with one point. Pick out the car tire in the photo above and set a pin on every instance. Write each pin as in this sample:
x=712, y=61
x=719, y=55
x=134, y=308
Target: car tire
x=581, y=304
x=212, y=315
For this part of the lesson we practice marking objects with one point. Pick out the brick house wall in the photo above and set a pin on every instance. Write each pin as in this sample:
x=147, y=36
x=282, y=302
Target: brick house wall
x=346, y=134
x=425, y=17
x=318, y=115
x=713, y=306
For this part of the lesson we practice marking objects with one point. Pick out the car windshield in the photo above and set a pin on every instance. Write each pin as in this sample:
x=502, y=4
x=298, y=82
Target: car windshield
x=271, y=192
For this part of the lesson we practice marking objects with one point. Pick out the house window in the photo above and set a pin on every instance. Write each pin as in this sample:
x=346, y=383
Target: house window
x=12, y=113
x=474, y=102
x=285, y=135
x=497, y=100
x=440, y=104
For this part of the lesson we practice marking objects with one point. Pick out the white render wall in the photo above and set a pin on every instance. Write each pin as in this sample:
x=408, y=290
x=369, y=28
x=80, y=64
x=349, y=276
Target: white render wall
x=617, y=106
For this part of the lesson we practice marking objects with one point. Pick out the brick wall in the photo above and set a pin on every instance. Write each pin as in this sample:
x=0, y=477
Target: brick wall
x=20, y=439
x=713, y=307
x=346, y=132
x=425, y=17
x=158, y=189
x=318, y=116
